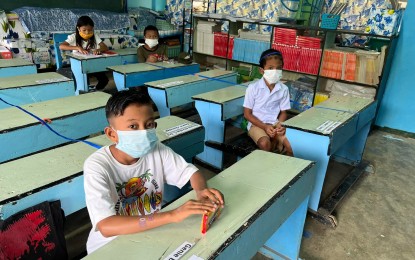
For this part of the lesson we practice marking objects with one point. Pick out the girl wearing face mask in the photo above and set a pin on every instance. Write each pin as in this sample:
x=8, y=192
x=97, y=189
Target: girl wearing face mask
x=152, y=51
x=86, y=41
x=265, y=105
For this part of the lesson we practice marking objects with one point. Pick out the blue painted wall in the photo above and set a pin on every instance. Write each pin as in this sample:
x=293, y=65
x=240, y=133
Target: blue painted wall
x=397, y=110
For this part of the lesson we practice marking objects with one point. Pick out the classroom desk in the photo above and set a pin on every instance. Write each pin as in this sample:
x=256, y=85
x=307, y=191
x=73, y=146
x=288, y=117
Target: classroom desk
x=265, y=203
x=337, y=129
x=215, y=108
x=82, y=65
x=25, y=89
x=177, y=91
x=57, y=173
x=74, y=117
x=16, y=67
x=134, y=75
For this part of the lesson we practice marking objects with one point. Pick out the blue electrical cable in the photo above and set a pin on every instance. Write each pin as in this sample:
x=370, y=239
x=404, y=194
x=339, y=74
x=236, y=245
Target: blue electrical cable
x=50, y=128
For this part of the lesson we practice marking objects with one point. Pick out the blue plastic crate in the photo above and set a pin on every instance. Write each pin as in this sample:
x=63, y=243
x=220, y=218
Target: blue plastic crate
x=329, y=21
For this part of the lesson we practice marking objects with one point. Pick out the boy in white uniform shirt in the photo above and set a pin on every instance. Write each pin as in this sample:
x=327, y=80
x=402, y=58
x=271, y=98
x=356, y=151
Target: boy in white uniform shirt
x=124, y=181
x=265, y=105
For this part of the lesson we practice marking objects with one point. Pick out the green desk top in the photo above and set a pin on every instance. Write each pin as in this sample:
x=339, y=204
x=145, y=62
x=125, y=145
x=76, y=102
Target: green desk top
x=133, y=68
x=12, y=117
x=215, y=73
x=60, y=163
x=318, y=120
x=172, y=82
x=126, y=51
x=223, y=95
x=32, y=80
x=247, y=187
x=346, y=103
x=181, y=80
x=4, y=63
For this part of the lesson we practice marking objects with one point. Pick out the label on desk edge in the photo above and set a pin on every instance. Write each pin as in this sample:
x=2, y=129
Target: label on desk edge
x=180, y=251
x=328, y=126
x=179, y=129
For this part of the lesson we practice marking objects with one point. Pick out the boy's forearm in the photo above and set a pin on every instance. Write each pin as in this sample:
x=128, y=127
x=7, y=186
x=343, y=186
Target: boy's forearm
x=198, y=182
x=122, y=225
x=282, y=116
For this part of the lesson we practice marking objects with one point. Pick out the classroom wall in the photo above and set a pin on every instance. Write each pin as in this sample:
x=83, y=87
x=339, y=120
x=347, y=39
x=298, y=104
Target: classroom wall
x=397, y=109
x=157, y=5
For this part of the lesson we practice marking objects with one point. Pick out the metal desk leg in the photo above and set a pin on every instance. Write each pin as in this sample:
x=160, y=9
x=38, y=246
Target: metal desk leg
x=211, y=116
x=80, y=77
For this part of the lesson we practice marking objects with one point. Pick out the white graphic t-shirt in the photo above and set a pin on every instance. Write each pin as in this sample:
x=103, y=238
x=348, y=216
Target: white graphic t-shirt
x=112, y=188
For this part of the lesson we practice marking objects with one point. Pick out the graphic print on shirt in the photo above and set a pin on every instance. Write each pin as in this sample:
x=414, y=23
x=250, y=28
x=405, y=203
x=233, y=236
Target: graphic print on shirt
x=138, y=196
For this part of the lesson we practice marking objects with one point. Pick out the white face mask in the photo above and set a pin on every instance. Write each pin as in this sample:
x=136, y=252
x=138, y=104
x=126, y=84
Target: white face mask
x=272, y=76
x=152, y=42
x=137, y=143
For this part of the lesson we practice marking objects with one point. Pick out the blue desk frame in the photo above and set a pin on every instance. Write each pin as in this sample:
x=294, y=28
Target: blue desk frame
x=81, y=66
x=345, y=143
x=167, y=98
x=16, y=67
x=214, y=115
x=157, y=71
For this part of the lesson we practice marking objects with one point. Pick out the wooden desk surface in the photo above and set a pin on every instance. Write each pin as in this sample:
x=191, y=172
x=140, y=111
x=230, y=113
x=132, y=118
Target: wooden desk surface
x=60, y=163
x=247, y=188
x=4, y=63
x=221, y=96
x=57, y=108
x=32, y=80
x=314, y=118
x=346, y=103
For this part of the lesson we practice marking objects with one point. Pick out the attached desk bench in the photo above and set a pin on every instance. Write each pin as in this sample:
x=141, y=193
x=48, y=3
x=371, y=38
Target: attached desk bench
x=337, y=129
x=177, y=91
x=57, y=173
x=134, y=75
x=82, y=65
x=16, y=67
x=74, y=117
x=265, y=205
x=215, y=108
x=26, y=89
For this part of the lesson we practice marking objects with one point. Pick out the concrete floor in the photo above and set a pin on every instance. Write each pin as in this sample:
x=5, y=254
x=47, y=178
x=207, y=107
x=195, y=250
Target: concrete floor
x=375, y=220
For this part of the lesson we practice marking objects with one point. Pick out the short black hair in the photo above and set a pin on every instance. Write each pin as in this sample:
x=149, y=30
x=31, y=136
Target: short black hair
x=119, y=101
x=270, y=53
x=151, y=28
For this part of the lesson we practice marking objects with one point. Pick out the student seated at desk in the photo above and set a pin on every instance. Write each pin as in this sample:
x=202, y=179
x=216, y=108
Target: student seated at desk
x=124, y=181
x=85, y=41
x=265, y=105
x=152, y=51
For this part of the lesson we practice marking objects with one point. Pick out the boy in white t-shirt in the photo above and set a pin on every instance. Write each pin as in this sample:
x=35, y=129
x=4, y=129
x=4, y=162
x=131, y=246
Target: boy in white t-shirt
x=85, y=41
x=124, y=181
x=265, y=105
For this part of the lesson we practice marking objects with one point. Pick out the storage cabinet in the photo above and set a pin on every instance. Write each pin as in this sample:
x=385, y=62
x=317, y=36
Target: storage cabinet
x=310, y=53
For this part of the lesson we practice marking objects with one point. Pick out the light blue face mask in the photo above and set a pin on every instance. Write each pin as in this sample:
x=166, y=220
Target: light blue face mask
x=137, y=143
